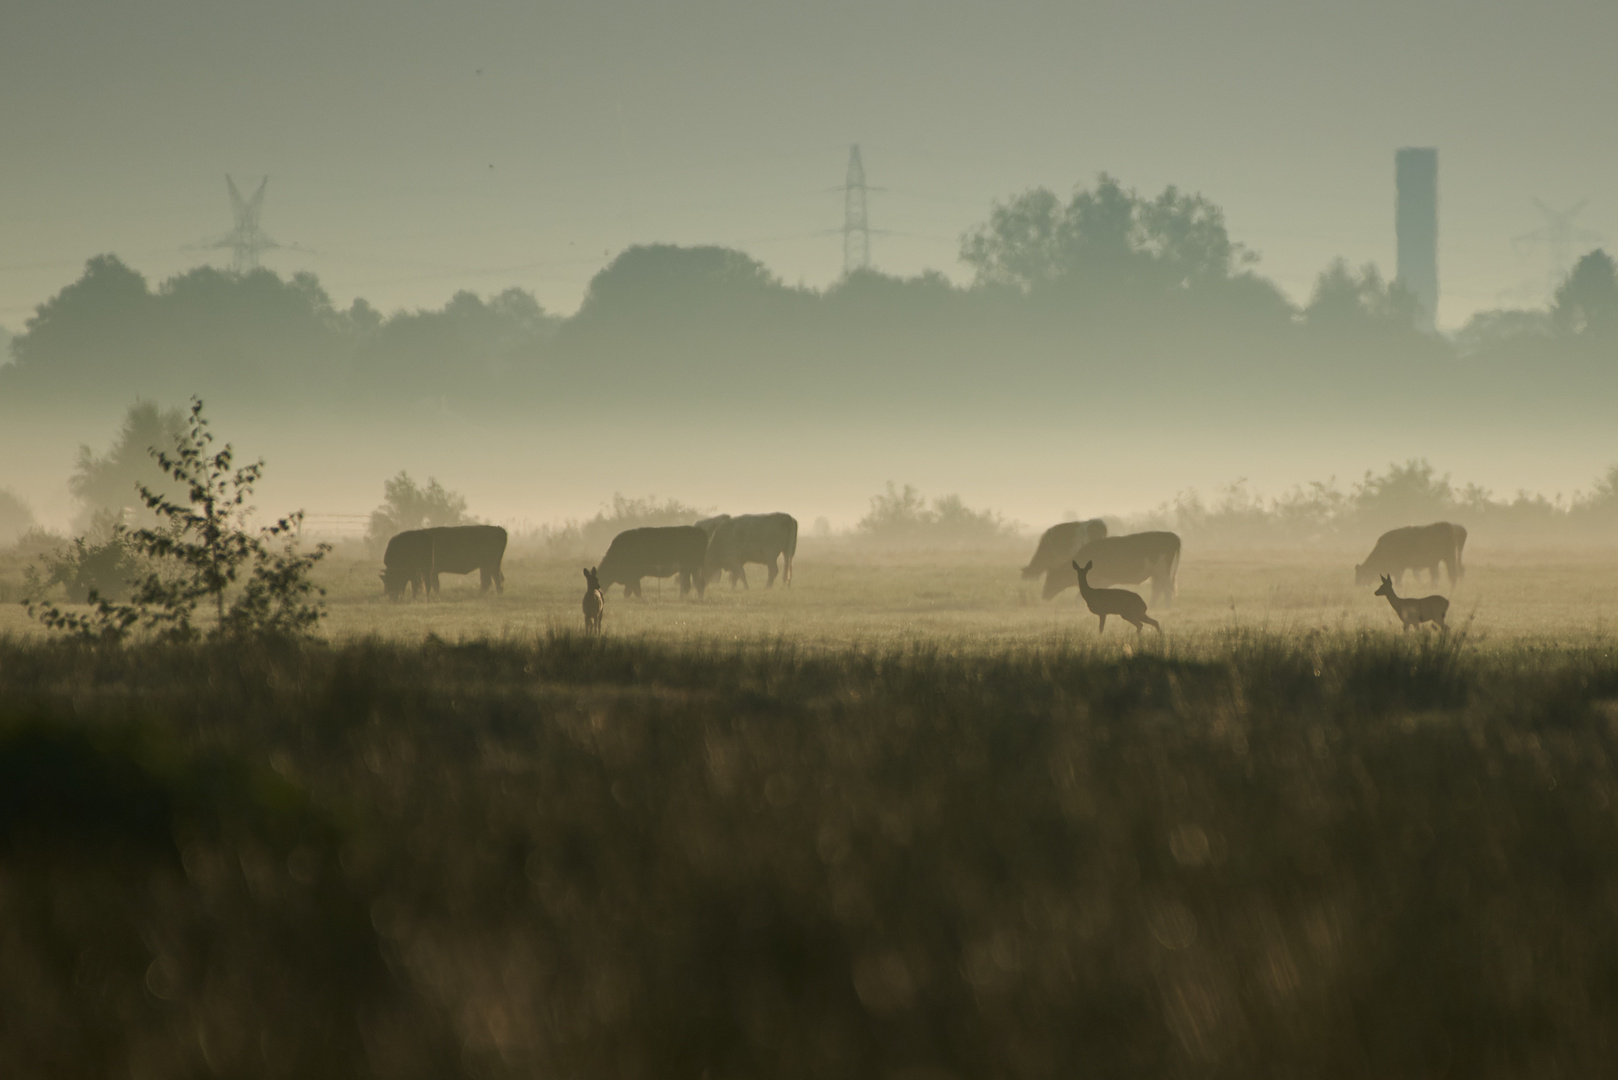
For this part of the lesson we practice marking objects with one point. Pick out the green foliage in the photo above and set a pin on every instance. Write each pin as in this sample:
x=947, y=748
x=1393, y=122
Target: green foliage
x=901, y=516
x=408, y=505
x=199, y=549
x=573, y=857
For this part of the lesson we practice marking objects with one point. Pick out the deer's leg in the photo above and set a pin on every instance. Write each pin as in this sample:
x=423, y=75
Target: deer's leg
x=1149, y=621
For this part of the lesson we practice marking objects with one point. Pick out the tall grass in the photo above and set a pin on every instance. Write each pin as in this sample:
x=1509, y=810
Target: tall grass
x=1330, y=855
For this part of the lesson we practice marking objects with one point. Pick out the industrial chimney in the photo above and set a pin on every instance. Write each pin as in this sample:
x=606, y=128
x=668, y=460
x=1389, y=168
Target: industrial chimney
x=1416, y=226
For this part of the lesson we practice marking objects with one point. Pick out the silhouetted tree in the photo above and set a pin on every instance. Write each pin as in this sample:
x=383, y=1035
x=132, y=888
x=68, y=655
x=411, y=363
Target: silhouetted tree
x=1351, y=304
x=1105, y=238
x=408, y=505
x=1587, y=302
x=110, y=481
x=16, y=517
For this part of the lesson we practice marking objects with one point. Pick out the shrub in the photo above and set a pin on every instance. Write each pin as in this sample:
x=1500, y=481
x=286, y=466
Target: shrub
x=200, y=547
x=901, y=516
x=407, y=505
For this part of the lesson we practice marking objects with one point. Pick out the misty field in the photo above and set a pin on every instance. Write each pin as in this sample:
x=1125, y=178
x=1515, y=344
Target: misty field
x=846, y=595
x=902, y=820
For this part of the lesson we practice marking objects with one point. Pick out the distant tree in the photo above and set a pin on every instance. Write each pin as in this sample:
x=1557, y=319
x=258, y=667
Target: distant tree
x=97, y=324
x=407, y=505
x=470, y=341
x=1105, y=238
x=901, y=515
x=1491, y=328
x=653, y=284
x=16, y=517
x=1587, y=302
x=1350, y=303
x=109, y=481
x=1408, y=494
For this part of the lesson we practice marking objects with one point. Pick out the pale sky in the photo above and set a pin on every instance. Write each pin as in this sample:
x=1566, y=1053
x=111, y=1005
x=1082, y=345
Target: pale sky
x=420, y=148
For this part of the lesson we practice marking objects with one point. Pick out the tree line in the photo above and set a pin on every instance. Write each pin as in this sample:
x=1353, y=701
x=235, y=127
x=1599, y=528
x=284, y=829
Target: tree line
x=1105, y=290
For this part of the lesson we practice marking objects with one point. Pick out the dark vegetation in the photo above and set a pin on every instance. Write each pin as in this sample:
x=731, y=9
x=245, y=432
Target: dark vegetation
x=1109, y=294
x=197, y=548
x=1313, y=856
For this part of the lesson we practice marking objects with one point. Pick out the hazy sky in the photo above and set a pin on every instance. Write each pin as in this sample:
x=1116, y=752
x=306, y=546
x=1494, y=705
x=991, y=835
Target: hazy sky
x=421, y=148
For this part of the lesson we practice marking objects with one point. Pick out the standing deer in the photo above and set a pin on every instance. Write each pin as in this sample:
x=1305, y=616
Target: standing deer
x=1413, y=611
x=1126, y=605
x=595, y=602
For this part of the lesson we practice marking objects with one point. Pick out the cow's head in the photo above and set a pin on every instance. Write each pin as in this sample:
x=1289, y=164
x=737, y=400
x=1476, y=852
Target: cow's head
x=1363, y=574
x=394, y=582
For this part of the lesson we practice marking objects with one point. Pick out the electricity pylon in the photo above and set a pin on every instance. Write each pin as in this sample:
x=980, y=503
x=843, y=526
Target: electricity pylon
x=246, y=241
x=1557, y=237
x=856, y=224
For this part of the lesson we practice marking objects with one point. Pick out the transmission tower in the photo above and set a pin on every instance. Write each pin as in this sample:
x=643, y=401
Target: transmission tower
x=1557, y=238
x=246, y=241
x=856, y=225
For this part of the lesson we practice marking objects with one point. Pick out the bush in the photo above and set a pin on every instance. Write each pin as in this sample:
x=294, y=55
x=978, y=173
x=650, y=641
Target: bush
x=103, y=563
x=901, y=517
x=589, y=539
x=407, y=505
x=198, y=550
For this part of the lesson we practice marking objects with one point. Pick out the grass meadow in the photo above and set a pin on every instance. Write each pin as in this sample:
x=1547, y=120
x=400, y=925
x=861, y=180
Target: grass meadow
x=902, y=820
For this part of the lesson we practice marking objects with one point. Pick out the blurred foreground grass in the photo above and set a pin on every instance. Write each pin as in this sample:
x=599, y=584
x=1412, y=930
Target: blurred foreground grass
x=1240, y=852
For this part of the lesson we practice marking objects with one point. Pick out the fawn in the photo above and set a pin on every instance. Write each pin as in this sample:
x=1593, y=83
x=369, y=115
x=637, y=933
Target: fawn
x=1126, y=605
x=1413, y=611
x=595, y=602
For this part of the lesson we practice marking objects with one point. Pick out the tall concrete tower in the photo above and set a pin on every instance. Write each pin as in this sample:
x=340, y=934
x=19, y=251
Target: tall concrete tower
x=856, y=226
x=1415, y=222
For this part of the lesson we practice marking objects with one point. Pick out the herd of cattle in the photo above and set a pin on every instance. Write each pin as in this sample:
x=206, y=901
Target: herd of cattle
x=696, y=554
x=703, y=552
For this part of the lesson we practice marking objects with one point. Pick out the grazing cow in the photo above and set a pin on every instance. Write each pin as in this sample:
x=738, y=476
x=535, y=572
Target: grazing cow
x=417, y=556
x=1057, y=548
x=1413, y=611
x=1126, y=605
x=752, y=538
x=1130, y=560
x=1417, y=548
x=595, y=602
x=658, y=552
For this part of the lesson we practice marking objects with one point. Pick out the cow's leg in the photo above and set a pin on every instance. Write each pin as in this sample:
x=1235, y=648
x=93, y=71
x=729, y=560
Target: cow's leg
x=484, y=581
x=499, y=582
x=1103, y=624
x=685, y=584
x=631, y=588
x=741, y=575
x=770, y=584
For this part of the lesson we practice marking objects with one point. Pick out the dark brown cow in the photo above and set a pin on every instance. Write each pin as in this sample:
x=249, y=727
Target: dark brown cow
x=658, y=552
x=752, y=538
x=1418, y=548
x=417, y=556
x=1056, y=550
x=1130, y=560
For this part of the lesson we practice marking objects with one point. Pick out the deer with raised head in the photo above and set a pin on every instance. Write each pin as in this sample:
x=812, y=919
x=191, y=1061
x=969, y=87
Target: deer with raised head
x=1127, y=605
x=1413, y=611
x=595, y=602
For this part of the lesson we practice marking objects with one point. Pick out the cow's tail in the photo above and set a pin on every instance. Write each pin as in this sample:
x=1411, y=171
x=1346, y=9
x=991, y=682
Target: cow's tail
x=1460, y=542
x=1174, y=569
x=789, y=551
